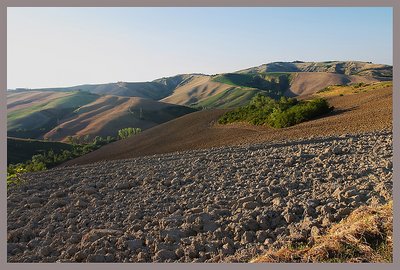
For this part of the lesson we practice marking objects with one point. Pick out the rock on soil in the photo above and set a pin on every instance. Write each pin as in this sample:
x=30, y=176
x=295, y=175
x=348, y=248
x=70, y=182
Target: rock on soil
x=217, y=205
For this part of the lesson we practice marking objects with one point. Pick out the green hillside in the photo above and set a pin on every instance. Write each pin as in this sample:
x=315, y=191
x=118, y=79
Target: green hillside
x=230, y=98
x=21, y=150
x=32, y=122
x=275, y=83
x=161, y=115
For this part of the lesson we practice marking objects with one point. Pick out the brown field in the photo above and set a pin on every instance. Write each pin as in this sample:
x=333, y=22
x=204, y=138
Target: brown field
x=199, y=88
x=308, y=83
x=354, y=113
x=107, y=115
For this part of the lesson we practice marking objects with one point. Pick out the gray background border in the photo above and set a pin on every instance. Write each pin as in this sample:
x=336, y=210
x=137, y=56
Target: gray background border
x=195, y=3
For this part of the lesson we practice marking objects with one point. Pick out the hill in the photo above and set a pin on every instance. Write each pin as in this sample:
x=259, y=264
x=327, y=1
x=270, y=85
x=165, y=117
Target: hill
x=155, y=90
x=196, y=89
x=308, y=83
x=354, y=113
x=230, y=89
x=21, y=150
x=54, y=116
x=108, y=114
x=46, y=113
x=368, y=69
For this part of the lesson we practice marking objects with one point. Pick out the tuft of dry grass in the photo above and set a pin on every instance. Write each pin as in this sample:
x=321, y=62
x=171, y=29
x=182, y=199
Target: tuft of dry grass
x=364, y=236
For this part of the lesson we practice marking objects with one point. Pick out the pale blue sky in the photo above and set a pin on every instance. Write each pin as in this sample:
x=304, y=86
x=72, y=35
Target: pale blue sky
x=50, y=47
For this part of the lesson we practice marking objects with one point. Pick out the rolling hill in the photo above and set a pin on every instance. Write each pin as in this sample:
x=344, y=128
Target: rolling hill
x=155, y=90
x=368, y=69
x=55, y=116
x=100, y=110
x=355, y=111
x=108, y=114
x=45, y=113
x=275, y=79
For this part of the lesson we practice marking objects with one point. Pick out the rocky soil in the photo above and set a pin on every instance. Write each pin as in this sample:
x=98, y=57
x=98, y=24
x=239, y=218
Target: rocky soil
x=218, y=205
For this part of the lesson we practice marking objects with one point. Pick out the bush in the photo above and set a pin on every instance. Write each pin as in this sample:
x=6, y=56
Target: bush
x=50, y=159
x=128, y=132
x=279, y=114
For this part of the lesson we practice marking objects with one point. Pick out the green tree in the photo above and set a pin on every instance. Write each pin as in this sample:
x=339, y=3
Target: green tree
x=128, y=132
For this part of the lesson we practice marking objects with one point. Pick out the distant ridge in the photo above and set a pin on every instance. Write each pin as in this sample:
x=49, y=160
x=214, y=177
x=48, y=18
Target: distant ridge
x=102, y=109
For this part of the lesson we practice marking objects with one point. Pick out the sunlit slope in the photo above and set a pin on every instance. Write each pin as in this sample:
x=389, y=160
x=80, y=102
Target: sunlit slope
x=108, y=114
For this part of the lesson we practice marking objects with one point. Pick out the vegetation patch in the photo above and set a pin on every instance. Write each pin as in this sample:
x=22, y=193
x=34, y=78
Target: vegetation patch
x=277, y=113
x=231, y=98
x=22, y=150
x=364, y=236
x=77, y=147
x=274, y=82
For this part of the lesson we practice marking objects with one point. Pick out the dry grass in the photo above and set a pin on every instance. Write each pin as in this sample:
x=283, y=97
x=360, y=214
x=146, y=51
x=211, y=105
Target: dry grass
x=364, y=236
x=335, y=90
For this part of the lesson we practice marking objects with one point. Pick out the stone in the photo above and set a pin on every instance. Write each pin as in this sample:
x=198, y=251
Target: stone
x=134, y=244
x=289, y=217
x=96, y=258
x=250, y=205
x=90, y=190
x=179, y=252
x=261, y=236
x=248, y=237
x=45, y=251
x=164, y=255
x=343, y=212
x=58, y=194
x=227, y=250
x=109, y=257
x=75, y=238
x=81, y=204
x=315, y=232
x=124, y=185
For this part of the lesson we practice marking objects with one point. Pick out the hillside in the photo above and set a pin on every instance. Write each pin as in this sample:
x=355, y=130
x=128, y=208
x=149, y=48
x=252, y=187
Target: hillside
x=155, y=90
x=225, y=204
x=368, y=69
x=45, y=113
x=55, y=116
x=275, y=79
x=195, y=90
x=354, y=113
x=308, y=83
x=108, y=114
x=21, y=150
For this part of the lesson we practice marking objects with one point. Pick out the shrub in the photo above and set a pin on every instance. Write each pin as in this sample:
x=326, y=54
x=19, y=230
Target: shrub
x=128, y=132
x=279, y=114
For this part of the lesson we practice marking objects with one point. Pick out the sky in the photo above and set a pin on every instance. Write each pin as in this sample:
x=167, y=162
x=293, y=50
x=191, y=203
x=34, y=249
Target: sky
x=54, y=47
